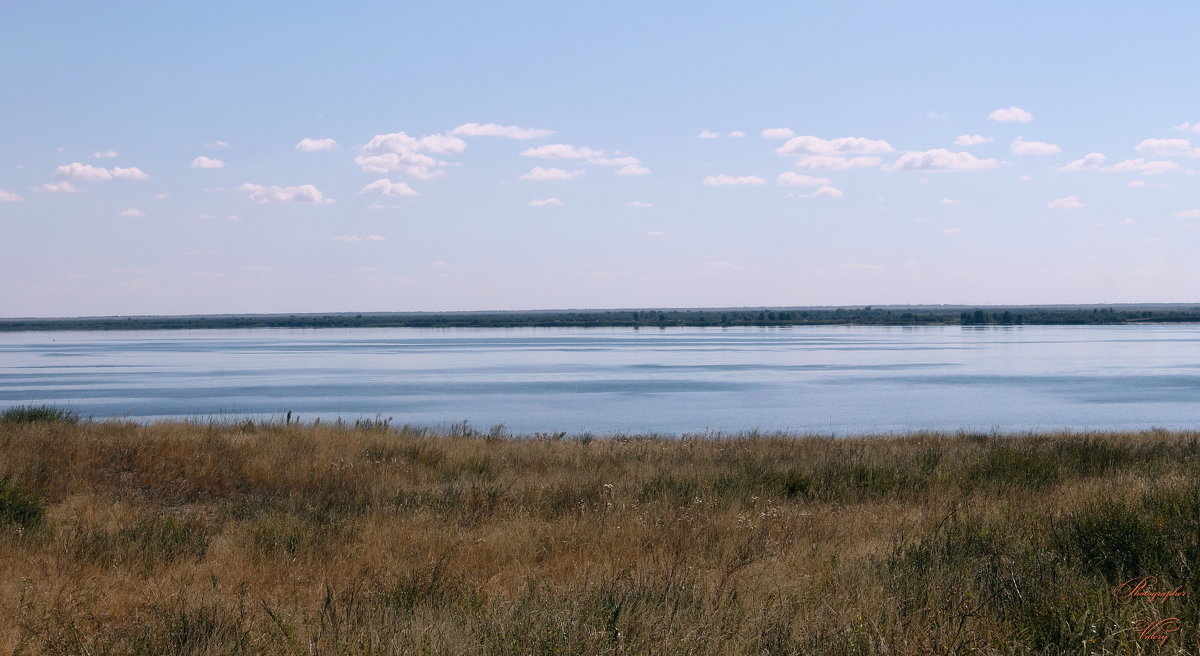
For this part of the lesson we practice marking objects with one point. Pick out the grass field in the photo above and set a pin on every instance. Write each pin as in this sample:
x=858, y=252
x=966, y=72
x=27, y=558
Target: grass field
x=276, y=538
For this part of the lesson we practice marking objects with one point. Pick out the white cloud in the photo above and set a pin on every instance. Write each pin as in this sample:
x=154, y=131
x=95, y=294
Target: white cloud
x=798, y=180
x=777, y=133
x=825, y=191
x=1011, y=115
x=203, y=162
x=131, y=173
x=722, y=180
x=940, y=159
x=9, y=197
x=1024, y=178
x=399, y=142
x=1136, y=184
x=376, y=238
x=353, y=238
x=1141, y=165
x=495, y=130
x=705, y=134
x=655, y=233
x=633, y=169
x=385, y=187
x=132, y=213
x=274, y=194
x=972, y=140
x=832, y=163
x=308, y=145
x=1187, y=127
x=639, y=203
x=162, y=195
x=105, y=154
x=737, y=134
x=217, y=144
x=1089, y=162
x=809, y=145
x=543, y=202
x=63, y=187
x=1189, y=214
x=614, y=161
x=1022, y=147
x=1065, y=203
x=77, y=171
x=1167, y=147
x=562, y=151
x=539, y=174
x=412, y=164
x=950, y=201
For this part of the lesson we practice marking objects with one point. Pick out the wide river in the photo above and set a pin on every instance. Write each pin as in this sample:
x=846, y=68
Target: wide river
x=827, y=380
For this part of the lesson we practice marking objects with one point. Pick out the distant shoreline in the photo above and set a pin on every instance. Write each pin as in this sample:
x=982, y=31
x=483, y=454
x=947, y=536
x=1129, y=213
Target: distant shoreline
x=881, y=315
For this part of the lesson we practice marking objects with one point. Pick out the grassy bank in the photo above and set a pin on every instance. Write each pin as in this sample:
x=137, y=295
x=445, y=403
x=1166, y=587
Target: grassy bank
x=252, y=538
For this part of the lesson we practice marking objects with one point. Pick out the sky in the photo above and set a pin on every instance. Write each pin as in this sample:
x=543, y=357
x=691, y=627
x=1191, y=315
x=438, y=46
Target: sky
x=219, y=157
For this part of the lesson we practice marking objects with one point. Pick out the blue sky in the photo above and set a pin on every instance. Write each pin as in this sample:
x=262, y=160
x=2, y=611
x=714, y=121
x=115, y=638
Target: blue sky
x=170, y=158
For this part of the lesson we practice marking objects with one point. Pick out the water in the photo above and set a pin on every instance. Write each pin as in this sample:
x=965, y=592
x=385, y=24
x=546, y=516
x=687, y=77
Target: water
x=829, y=380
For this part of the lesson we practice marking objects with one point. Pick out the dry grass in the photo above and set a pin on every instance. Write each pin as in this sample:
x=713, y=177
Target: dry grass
x=186, y=538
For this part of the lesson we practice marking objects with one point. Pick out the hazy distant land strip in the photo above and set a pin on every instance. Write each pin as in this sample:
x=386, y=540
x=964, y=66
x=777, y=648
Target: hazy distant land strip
x=882, y=315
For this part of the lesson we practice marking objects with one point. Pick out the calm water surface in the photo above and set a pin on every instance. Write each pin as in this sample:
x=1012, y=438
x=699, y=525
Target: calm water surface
x=804, y=379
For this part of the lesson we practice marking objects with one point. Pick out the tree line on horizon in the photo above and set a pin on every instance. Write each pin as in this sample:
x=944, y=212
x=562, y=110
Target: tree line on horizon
x=868, y=315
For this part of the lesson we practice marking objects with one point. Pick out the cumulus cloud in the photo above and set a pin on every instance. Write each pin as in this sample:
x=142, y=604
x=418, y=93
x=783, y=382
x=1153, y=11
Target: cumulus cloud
x=132, y=212
x=972, y=140
x=614, y=161
x=1143, y=166
x=412, y=164
x=274, y=194
x=639, y=203
x=798, y=180
x=1022, y=147
x=538, y=173
x=203, y=162
x=940, y=159
x=399, y=142
x=1065, y=203
x=633, y=169
x=543, y=202
x=308, y=145
x=777, y=133
x=9, y=197
x=562, y=151
x=825, y=191
x=63, y=187
x=705, y=134
x=105, y=154
x=1187, y=127
x=398, y=152
x=833, y=163
x=1167, y=147
x=219, y=143
x=77, y=171
x=131, y=173
x=737, y=134
x=809, y=145
x=723, y=180
x=1136, y=184
x=1011, y=115
x=1189, y=214
x=1089, y=162
x=495, y=130
x=385, y=187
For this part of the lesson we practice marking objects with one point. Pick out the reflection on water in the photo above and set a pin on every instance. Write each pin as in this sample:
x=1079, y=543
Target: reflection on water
x=844, y=379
